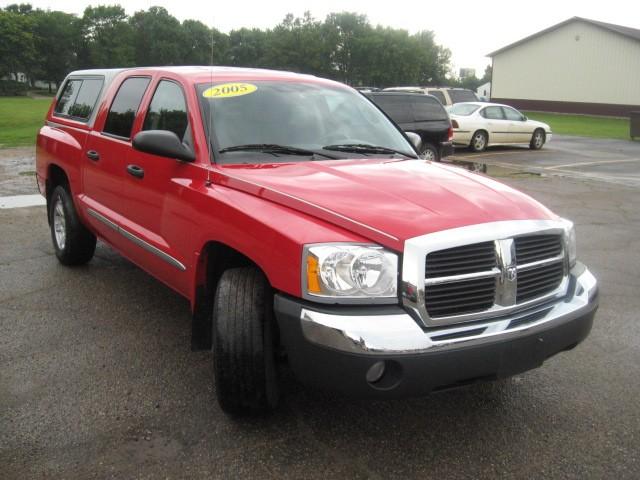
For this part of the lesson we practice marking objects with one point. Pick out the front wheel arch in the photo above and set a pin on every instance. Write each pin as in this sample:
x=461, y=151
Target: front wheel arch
x=213, y=260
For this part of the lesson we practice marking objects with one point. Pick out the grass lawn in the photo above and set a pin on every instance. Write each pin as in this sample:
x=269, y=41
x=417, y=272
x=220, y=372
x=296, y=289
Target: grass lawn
x=20, y=120
x=584, y=126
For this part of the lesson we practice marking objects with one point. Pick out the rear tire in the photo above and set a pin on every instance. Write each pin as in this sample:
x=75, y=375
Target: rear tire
x=479, y=141
x=243, y=343
x=429, y=152
x=72, y=242
x=538, y=139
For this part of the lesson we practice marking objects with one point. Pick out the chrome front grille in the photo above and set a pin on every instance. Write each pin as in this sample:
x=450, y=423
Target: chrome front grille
x=533, y=248
x=461, y=260
x=453, y=294
x=460, y=297
x=484, y=271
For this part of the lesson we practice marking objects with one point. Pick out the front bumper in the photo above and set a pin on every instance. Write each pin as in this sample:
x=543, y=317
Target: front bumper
x=383, y=352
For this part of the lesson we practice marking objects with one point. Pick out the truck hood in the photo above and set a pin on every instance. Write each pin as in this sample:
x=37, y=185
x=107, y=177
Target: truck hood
x=384, y=200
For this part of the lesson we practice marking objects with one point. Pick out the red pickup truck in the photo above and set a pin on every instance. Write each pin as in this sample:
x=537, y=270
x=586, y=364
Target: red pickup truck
x=301, y=224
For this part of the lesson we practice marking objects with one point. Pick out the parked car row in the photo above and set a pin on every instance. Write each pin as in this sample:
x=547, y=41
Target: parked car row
x=446, y=96
x=420, y=114
x=473, y=124
x=480, y=125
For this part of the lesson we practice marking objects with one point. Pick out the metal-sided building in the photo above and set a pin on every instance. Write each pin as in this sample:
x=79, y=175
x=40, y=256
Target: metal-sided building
x=576, y=66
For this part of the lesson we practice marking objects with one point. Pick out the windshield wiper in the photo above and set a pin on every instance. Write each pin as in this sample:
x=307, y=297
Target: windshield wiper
x=275, y=148
x=364, y=148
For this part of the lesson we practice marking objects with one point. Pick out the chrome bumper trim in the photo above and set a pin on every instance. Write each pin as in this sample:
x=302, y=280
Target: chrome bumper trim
x=400, y=334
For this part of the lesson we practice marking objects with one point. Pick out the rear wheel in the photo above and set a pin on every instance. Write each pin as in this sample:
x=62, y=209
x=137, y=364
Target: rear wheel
x=72, y=242
x=244, y=351
x=537, y=140
x=478, y=141
x=429, y=152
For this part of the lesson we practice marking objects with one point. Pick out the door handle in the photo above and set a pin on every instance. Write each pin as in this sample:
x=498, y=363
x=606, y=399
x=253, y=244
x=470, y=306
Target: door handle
x=93, y=155
x=135, y=170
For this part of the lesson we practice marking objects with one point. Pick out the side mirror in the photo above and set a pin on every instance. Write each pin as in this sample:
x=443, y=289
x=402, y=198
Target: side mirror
x=415, y=139
x=163, y=143
x=524, y=118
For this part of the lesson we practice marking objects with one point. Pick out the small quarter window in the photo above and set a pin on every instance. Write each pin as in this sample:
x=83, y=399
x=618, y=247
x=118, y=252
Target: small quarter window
x=86, y=99
x=125, y=106
x=68, y=97
x=79, y=98
x=168, y=110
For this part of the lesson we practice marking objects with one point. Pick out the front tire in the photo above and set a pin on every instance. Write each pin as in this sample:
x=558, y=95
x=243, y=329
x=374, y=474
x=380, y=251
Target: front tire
x=479, y=141
x=72, y=242
x=537, y=140
x=244, y=352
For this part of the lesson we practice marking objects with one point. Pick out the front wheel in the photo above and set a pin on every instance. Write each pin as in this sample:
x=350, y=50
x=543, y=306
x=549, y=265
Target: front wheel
x=244, y=343
x=72, y=242
x=478, y=141
x=537, y=140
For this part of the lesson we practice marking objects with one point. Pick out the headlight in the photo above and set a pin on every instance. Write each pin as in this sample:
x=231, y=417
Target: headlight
x=570, y=242
x=350, y=273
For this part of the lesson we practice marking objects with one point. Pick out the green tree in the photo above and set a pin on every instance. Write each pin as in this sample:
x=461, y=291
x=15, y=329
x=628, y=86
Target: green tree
x=107, y=38
x=157, y=37
x=202, y=45
x=52, y=64
x=247, y=47
x=17, y=50
x=298, y=44
x=342, y=31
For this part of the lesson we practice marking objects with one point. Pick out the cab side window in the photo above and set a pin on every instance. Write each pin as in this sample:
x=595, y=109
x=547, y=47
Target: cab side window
x=125, y=106
x=168, y=111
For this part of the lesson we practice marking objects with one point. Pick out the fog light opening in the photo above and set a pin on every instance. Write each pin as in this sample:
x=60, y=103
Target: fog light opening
x=375, y=372
x=384, y=375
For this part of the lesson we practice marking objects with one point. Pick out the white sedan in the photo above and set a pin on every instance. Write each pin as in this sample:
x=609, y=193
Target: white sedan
x=479, y=125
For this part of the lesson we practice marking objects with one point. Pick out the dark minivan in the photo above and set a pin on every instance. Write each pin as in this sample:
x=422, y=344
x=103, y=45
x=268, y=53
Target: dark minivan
x=421, y=114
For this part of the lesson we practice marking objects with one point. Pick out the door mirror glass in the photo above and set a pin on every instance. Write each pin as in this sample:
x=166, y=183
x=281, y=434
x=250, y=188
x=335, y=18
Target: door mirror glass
x=415, y=139
x=163, y=143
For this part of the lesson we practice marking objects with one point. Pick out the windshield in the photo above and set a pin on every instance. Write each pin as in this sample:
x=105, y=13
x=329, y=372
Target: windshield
x=306, y=116
x=463, y=109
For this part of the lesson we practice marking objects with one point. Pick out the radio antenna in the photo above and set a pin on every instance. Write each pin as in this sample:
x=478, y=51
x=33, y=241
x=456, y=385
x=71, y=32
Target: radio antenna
x=210, y=119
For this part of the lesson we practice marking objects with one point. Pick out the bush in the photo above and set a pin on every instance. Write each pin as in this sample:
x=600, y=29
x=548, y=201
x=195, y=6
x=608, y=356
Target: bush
x=11, y=88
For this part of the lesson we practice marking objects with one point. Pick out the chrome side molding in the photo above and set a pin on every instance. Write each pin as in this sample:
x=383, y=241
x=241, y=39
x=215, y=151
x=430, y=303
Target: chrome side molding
x=137, y=240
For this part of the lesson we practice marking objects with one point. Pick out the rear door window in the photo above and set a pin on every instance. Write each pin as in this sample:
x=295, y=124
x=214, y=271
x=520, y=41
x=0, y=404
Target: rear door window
x=125, y=106
x=79, y=98
x=398, y=107
x=427, y=109
x=493, y=113
x=439, y=95
x=168, y=110
x=462, y=95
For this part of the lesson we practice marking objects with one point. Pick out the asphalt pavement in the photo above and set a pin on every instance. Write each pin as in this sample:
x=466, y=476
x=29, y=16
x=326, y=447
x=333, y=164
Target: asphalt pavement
x=606, y=160
x=97, y=379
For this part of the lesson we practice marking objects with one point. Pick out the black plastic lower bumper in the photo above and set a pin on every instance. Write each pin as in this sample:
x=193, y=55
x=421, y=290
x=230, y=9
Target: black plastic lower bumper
x=379, y=375
x=446, y=149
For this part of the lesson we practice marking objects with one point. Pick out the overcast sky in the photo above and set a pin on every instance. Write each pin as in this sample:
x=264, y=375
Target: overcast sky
x=470, y=29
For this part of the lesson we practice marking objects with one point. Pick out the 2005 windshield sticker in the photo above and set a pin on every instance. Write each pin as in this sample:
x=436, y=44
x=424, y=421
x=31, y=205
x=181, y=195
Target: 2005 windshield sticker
x=227, y=90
